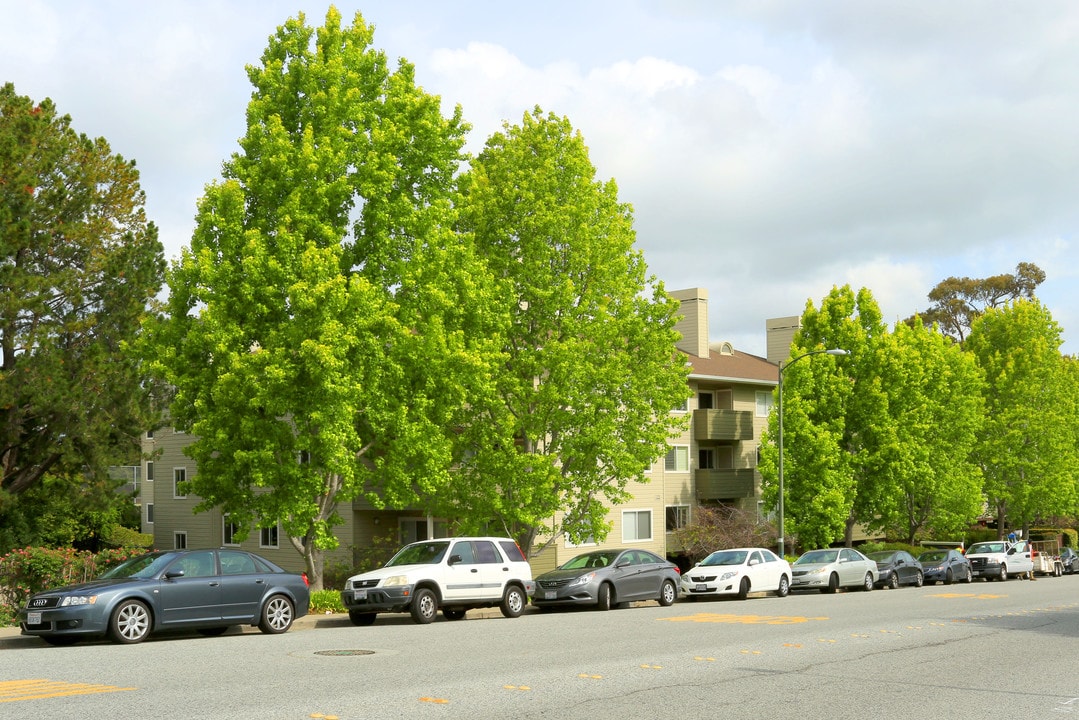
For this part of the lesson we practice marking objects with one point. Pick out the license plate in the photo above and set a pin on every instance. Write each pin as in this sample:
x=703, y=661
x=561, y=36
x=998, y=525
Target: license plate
x=359, y=594
x=33, y=618
x=550, y=595
x=700, y=587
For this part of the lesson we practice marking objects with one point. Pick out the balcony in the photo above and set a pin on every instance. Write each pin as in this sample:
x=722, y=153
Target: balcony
x=724, y=484
x=722, y=425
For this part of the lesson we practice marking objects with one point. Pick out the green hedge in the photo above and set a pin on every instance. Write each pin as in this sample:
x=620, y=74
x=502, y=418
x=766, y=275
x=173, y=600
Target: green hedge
x=326, y=601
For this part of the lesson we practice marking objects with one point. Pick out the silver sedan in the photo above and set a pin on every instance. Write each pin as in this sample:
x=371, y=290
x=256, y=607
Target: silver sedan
x=829, y=569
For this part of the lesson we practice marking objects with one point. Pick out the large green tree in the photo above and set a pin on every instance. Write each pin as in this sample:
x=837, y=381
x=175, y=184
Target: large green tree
x=79, y=267
x=582, y=403
x=1027, y=446
x=327, y=327
x=834, y=422
x=934, y=395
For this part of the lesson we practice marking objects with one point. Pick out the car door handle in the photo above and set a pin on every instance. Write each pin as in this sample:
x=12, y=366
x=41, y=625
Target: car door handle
x=214, y=584
x=260, y=581
x=475, y=569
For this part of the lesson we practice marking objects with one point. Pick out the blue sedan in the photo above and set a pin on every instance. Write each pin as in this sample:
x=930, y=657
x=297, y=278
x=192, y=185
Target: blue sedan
x=203, y=590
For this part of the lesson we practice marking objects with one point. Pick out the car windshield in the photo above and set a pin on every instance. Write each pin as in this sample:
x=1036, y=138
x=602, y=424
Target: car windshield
x=814, y=557
x=143, y=566
x=932, y=557
x=421, y=553
x=882, y=556
x=987, y=547
x=589, y=560
x=726, y=557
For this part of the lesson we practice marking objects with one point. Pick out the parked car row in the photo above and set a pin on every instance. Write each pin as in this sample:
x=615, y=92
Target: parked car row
x=211, y=590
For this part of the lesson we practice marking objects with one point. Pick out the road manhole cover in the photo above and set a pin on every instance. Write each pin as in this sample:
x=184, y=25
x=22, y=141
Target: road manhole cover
x=344, y=653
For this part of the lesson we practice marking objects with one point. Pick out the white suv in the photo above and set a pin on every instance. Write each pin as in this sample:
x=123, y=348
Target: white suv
x=455, y=574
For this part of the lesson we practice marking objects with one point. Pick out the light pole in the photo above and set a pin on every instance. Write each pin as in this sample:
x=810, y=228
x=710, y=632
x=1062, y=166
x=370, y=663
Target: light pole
x=782, y=368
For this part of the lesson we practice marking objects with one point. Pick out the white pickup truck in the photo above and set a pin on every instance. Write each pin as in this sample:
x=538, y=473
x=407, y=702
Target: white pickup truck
x=999, y=559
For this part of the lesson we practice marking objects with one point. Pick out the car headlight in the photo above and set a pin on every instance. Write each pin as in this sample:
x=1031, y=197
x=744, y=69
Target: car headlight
x=583, y=579
x=395, y=581
x=71, y=600
x=817, y=571
x=728, y=575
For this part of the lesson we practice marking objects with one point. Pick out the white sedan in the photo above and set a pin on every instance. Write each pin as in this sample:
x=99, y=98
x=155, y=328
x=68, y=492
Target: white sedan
x=738, y=571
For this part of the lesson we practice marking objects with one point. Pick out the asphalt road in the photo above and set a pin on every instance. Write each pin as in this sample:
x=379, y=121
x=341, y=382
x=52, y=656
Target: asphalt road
x=985, y=650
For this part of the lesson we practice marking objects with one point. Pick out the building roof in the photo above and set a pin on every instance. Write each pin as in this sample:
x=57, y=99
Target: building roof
x=733, y=365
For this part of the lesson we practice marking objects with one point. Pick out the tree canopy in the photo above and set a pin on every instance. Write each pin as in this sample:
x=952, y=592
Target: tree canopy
x=327, y=327
x=581, y=405
x=80, y=265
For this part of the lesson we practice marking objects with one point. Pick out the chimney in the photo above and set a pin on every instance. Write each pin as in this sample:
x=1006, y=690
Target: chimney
x=694, y=322
x=780, y=334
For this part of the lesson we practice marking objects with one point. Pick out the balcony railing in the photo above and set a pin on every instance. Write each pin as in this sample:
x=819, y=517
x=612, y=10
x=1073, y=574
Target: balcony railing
x=722, y=425
x=725, y=484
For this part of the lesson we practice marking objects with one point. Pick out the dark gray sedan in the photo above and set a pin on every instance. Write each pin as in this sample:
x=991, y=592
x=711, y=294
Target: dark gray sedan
x=606, y=578
x=897, y=567
x=203, y=590
x=946, y=566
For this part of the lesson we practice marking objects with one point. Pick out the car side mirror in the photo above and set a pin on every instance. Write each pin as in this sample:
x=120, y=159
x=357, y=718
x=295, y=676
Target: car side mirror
x=174, y=574
x=454, y=559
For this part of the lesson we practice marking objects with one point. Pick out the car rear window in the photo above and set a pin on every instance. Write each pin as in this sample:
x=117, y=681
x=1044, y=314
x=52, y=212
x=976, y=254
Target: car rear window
x=512, y=551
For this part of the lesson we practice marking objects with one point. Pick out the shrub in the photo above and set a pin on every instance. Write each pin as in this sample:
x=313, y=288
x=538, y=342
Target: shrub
x=326, y=601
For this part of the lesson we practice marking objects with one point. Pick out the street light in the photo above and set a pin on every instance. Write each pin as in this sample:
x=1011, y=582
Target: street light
x=783, y=367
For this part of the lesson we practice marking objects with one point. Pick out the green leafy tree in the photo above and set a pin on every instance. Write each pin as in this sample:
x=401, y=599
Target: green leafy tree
x=582, y=404
x=79, y=267
x=934, y=395
x=1027, y=445
x=834, y=422
x=957, y=302
x=327, y=328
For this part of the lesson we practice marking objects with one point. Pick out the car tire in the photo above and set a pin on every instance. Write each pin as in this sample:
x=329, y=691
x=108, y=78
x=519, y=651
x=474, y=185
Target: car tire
x=743, y=589
x=668, y=593
x=513, y=602
x=361, y=619
x=1003, y=573
x=603, y=597
x=277, y=615
x=970, y=576
x=424, y=606
x=949, y=577
x=892, y=582
x=784, y=586
x=833, y=584
x=919, y=579
x=867, y=584
x=130, y=622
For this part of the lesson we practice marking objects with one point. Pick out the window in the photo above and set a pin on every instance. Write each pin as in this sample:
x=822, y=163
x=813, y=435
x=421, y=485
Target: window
x=149, y=434
x=636, y=525
x=589, y=540
x=179, y=540
x=236, y=563
x=268, y=536
x=706, y=459
x=229, y=531
x=149, y=471
x=682, y=406
x=415, y=529
x=677, y=459
x=704, y=400
x=764, y=403
x=677, y=517
x=179, y=477
x=149, y=513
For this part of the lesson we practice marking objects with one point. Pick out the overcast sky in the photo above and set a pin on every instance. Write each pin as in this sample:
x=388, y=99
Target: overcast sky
x=770, y=149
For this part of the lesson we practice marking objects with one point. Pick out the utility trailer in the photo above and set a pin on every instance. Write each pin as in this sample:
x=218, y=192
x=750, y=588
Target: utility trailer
x=1046, y=557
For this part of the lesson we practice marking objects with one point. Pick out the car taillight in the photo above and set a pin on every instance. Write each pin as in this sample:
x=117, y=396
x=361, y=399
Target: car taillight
x=305, y=580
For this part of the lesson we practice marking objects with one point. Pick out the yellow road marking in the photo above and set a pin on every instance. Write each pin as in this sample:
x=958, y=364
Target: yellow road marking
x=38, y=689
x=704, y=659
x=516, y=687
x=320, y=716
x=586, y=676
x=646, y=666
x=743, y=619
x=437, y=701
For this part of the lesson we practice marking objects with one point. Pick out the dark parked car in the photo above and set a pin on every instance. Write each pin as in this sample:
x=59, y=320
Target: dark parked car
x=897, y=567
x=946, y=566
x=203, y=590
x=1070, y=560
x=605, y=578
